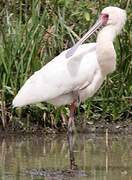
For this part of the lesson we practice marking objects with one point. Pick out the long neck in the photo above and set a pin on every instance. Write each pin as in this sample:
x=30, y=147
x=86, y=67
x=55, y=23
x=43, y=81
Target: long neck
x=108, y=33
x=105, y=50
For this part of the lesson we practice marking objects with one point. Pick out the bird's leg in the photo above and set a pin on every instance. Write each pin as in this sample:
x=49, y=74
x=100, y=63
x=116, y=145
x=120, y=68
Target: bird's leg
x=76, y=98
x=71, y=124
x=71, y=141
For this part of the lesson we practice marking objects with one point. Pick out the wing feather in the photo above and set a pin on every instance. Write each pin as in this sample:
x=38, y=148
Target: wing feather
x=60, y=76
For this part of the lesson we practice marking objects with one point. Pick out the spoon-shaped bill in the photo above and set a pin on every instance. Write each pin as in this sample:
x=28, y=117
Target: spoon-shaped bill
x=96, y=26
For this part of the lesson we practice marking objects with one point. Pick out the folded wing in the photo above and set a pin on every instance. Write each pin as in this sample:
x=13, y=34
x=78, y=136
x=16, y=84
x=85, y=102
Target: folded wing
x=60, y=76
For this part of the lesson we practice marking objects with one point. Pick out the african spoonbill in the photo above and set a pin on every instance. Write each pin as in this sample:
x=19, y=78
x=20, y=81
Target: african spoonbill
x=78, y=72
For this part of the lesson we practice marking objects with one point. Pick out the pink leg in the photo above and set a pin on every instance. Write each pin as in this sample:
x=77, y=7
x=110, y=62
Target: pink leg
x=71, y=125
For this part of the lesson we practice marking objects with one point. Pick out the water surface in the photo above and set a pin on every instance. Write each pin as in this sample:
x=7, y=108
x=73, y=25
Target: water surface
x=99, y=158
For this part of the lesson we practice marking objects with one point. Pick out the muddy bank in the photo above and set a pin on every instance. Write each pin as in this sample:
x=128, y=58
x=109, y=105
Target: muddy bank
x=82, y=126
x=101, y=126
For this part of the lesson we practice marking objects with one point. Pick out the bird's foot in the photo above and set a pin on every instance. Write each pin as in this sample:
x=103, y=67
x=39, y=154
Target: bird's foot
x=74, y=166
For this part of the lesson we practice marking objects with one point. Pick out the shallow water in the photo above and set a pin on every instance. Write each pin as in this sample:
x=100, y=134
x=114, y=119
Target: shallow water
x=98, y=157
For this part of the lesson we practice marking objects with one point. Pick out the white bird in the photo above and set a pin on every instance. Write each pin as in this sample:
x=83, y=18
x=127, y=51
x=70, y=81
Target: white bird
x=77, y=73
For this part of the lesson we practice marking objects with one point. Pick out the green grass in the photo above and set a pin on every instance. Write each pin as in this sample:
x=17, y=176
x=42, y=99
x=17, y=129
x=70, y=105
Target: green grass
x=33, y=32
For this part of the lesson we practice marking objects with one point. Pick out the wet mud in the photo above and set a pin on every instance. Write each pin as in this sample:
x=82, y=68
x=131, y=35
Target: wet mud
x=57, y=174
x=83, y=126
x=117, y=127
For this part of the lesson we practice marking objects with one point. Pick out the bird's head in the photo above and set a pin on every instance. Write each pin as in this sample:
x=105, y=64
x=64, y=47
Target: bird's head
x=110, y=16
x=113, y=16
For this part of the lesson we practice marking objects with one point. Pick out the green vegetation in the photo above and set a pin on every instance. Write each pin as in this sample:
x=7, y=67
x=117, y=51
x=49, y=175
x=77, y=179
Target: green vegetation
x=33, y=32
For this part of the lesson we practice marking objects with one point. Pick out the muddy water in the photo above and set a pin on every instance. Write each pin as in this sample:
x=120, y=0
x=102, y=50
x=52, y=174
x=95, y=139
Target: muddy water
x=98, y=157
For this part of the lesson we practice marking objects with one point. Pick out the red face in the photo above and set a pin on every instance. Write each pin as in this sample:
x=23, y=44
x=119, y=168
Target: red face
x=104, y=18
x=102, y=21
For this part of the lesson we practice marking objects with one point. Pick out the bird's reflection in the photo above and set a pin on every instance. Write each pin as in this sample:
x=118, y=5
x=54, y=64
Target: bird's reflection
x=71, y=138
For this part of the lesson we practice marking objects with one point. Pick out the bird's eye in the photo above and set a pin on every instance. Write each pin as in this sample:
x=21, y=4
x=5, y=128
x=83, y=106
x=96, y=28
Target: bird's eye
x=105, y=16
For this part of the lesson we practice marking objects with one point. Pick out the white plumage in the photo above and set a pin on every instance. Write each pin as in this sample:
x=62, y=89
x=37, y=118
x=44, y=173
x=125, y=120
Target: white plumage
x=83, y=72
x=56, y=81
